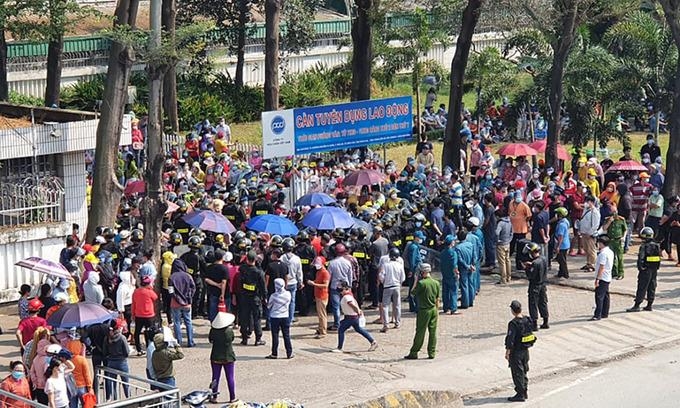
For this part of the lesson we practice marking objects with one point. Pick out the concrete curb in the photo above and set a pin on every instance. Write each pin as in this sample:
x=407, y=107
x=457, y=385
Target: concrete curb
x=414, y=399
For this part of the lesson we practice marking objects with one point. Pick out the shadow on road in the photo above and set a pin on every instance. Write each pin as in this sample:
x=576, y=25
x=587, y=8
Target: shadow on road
x=485, y=401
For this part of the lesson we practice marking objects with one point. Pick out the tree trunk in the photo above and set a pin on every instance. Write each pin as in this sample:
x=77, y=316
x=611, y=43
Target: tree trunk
x=243, y=21
x=54, y=63
x=671, y=185
x=4, y=87
x=362, y=50
x=153, y=205
x=452, y=142
x=105, y=187
x=169, y=14
x=272, y=11
x=560, y=55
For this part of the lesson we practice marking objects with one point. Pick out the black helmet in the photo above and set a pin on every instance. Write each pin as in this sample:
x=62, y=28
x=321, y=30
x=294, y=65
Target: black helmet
x=251, y=235
x=261, y=192
x=239, y=235
x=419, y=217
x=394, y=253
x=183, y=206
x=99, y=230
x=288, y=244
x=339, y=234
x=176, y=239
x=361, y=232
x=405, y=214
x=108, y=233
x=276, y=241
x=646, y=233
x=195, y=242
x=196, y=232
x=302, y=236
x=125, y=209
x=137, y=235
x=233, y=196
x=387, y=220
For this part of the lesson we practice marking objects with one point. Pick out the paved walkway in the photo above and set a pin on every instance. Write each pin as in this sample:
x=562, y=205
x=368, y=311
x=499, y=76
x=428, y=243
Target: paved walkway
x=470, y=347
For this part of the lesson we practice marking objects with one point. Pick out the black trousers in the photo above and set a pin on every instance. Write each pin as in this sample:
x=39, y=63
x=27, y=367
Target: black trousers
x=143, y=323
x=282, y=325
x=515, y=248
x=198, y=301
x=562, y=261
x=538, y=301
x=373, y=286
x=602, y=300
x=250, y=313
x=519, y=367
x=646, y=286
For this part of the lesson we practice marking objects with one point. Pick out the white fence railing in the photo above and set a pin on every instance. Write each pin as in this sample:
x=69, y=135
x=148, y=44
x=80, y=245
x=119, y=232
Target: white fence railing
x=30, y=203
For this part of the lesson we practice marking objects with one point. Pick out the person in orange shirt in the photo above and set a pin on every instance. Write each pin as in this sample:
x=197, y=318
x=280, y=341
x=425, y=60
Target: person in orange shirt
x=143, y=311
x=82, y=374
x=320, y=284
x=16, y=383
x=520, y=213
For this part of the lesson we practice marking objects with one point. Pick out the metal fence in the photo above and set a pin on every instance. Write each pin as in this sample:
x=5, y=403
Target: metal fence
x=10, y=400
x=31, y=201
x=117, y=389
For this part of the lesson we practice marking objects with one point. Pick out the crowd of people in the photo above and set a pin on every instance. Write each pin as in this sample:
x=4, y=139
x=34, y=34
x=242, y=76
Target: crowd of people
x=420, y=217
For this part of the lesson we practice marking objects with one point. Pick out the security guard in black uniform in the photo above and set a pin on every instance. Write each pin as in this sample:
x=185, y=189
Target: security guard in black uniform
x=178, y=222
x=261, y=206
x=113, y=248
x=537, y=274
x=517, y=342
x=304, y=249
x=135, y=248
x=174, y=241
x=360, y=246
x=233, y=211
x=196, y=267
x=648, y=262
x=251, y=295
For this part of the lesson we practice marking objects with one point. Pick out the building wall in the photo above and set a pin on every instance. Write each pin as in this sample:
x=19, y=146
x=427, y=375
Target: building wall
x=33, y=83
x=71, y=169
x=45, y=241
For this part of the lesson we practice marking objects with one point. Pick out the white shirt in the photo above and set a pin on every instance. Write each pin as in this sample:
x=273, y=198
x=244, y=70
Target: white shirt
x=347, y=310
x=605, y=258
x=392, y=273
x=57, y=386
x=590, y=222
x=294, y=265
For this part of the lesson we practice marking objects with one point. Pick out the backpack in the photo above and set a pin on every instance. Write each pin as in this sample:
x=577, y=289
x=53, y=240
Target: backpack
x=527, y=338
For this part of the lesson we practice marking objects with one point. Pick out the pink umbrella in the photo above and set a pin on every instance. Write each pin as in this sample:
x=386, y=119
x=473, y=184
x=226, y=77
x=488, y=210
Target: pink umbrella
x=627, y=165
x=517, y=149
x=134, y=187
x=364, y=178
x=541, y=146
x=40, y=265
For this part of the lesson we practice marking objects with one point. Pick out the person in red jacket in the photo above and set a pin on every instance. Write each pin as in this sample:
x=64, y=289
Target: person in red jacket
x=28, y=325
x=143, y=311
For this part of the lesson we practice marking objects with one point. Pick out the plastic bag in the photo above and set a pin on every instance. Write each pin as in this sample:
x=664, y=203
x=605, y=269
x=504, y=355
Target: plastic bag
x=362, y=321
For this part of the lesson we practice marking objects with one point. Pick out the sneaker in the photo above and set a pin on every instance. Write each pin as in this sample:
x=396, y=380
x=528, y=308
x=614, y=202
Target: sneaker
x=397, y=325
x=244, y=341
x=647, y=308
x=290, y=356
x=333, y=328
x=336, y=350
x=271, y=357
x=572, y=253
x=384, y=329
x=633, y=309
x=141, y=353
x=260, y=342
x=410, y=357
x=373, y=346
x=320, y=336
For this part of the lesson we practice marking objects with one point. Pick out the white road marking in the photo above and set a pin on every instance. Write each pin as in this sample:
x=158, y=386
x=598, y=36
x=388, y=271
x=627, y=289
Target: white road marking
x=570, y=385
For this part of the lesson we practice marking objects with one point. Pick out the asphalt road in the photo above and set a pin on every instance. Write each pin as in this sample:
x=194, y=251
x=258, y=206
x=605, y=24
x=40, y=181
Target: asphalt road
x=643, y=381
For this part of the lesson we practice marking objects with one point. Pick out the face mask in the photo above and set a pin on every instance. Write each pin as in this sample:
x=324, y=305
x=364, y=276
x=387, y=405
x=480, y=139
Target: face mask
x=419, y=224
x=611, y=190
x=488, y=176
x=18, y=375
x=586, y=206
x=650, y=142
x=393, y=196
x=655, y=193
x=518, y=199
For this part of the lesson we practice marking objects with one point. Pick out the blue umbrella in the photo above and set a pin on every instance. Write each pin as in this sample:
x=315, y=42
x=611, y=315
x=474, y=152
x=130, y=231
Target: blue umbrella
x=272, y=224
x=361, y=223
x=312, y=199
x=210, y=221
x=328, y=218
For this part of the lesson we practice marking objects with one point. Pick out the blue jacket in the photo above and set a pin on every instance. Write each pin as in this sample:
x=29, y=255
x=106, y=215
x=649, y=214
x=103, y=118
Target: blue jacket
x=466, y=255
x=449, y=262
x=413, y=258
x=478, y=245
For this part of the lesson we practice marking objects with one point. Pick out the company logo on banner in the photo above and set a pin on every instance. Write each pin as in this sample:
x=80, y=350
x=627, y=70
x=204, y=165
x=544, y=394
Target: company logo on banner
x=334, y=127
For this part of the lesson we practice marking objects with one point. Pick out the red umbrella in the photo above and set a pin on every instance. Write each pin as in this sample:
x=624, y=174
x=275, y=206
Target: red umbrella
x=627, y=165
x=134, y=187
x=517, y=149
x=172, y=207
x=541, y=145
x=363, y=178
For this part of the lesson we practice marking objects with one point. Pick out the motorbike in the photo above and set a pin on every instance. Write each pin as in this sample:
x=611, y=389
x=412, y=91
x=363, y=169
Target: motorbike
x=198, y=398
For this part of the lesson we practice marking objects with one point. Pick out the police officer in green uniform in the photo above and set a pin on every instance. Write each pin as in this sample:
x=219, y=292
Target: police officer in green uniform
x=648, y=262
x=616, y=228
x=428, y=293
x=537, y=274
x=517, y=342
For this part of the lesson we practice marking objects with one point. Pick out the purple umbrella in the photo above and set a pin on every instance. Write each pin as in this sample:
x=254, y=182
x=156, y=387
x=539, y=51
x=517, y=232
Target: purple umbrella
x=328, y=218
x=210, y=221
x=41, y=265
x=79, y=315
